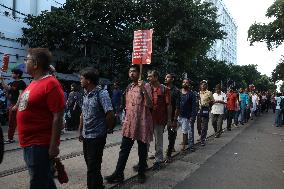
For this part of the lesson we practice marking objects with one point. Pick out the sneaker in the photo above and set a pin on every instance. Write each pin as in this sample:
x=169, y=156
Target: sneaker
x=9, y=141
x=141, y=178
x=229, y=129
x=202, y=143
x=169, y=160
x=114, y=178
x=156, y=166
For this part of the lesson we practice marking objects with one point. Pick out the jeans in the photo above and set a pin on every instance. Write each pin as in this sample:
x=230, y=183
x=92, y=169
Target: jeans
x=217, y=122
x=93, y=153
x=158, y=134
x=243, y=115
x=192, y=132
x=236, y=117
x=278, y=120
x=125, y=149
x=172, y=135
x=39, y=166
x=231, y=115
x=12, y=122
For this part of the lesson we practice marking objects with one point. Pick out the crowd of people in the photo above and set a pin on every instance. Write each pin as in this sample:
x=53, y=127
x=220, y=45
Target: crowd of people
x=144, y=109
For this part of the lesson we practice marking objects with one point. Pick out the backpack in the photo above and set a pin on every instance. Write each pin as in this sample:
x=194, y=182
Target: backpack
x=101, y=107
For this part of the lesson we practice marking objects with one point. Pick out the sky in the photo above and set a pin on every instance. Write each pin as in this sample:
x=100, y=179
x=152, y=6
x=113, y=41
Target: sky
x=245, y=13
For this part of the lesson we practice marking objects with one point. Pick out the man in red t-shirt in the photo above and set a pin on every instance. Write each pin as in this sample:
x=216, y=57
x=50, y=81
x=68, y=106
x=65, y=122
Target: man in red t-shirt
x=161, y=113
x=232, y=98
x=39, y=118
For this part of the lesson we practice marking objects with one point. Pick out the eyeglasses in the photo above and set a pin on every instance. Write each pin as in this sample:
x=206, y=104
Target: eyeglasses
x=26, y=59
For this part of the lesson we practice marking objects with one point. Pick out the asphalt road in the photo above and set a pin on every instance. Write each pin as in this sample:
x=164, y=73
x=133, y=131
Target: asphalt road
x=254, y=159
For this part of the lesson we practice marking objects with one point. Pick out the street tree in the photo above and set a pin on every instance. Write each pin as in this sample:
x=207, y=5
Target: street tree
x=271, y=33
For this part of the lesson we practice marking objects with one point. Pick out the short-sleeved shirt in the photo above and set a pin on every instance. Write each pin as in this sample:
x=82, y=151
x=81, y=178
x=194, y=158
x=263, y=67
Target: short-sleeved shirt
x=244, y=100
x=231, y=101
x=37, y=104
x=95, y=106
x=161, y=99
x=205, y=98
x=14, y=92
x=138, y=124
x=74, y=97
x=218, y=108
x=188, y=105
x=278, y=102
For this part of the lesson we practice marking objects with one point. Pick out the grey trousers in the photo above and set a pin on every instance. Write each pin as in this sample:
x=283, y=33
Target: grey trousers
x=217, y=122
x=158, y=134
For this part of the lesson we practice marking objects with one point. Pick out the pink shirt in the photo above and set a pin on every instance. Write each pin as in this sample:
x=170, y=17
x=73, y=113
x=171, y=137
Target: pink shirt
x=138, y=124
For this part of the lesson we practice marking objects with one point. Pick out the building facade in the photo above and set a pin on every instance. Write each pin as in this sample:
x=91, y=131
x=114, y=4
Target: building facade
x=226, y=49
x=12, y=14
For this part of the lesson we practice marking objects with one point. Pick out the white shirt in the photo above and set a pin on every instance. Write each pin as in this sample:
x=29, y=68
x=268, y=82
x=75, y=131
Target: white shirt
x=218, y=108
x=278, y=102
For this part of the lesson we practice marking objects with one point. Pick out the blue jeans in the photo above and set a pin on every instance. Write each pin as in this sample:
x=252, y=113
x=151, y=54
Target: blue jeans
x=39, y=166
x=243, y=115
x=278, y=121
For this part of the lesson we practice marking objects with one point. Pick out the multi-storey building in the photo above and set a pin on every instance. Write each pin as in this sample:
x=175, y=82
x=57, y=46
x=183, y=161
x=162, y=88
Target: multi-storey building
x=12, y=14
x=225, y=49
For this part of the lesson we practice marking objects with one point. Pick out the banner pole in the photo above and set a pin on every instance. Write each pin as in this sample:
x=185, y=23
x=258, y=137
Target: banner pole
x=141, y=69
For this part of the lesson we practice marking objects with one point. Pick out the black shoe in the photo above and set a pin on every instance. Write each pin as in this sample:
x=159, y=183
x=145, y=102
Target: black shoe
x=192, y=149
x=136, y=167
x=202, y=143
x=141, y=178
x=156, y=166
x=229, y=129
x=217, y=136
x=114, y=178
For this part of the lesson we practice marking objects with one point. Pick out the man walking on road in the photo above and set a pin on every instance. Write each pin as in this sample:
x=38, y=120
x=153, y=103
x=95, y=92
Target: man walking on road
x=138, y=125
x=175, y=102
x=219, y=103
x=243, y=98
x=40, y=119
x=97, y=117
x=205, y=101
x=278, y=121
x=187, y=113
x=232, y=98
x=161, y=114
x=14, y=90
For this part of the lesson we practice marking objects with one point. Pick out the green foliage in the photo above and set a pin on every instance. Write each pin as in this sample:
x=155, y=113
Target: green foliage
x=272, y=33
x=100, y=32
x=278, y=72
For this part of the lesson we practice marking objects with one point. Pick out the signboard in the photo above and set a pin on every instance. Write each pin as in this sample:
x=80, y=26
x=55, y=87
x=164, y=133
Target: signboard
x=142, y=47
x=5, y=63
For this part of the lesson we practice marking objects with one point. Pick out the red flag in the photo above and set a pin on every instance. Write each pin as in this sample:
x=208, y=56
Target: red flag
x=142, y=47
x=5, y=62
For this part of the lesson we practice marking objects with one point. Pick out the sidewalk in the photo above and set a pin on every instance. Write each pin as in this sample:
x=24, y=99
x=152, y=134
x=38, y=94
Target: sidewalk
x=76, y=168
